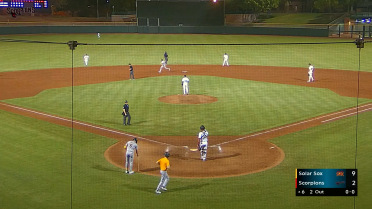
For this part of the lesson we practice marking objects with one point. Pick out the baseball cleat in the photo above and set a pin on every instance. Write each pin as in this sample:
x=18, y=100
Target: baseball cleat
x=131, y=172
x=164, y=189
x=157, y=192
x=126, y=171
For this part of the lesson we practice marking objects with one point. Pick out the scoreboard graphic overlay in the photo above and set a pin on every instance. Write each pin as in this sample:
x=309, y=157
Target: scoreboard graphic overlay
x=326, y=182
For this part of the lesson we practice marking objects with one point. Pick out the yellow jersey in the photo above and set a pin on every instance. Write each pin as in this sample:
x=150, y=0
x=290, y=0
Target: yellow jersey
x=164, y=163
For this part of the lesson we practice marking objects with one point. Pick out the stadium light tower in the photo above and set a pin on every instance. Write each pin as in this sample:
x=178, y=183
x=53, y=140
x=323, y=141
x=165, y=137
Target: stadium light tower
x=97, y=10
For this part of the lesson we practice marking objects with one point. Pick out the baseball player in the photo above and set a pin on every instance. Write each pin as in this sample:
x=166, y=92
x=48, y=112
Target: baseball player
x=310, y=73
x=86, y=59
x=166, y=57
x=185, y=85
x=163, y=66
x=225, y=60
x=203, y=143
x=164, y=166
x=130, y=146
x=126, y=114
x=98, y=35
x=131, y=75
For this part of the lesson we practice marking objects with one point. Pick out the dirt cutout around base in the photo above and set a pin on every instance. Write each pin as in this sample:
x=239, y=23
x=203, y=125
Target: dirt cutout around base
x=188, y=99
x=241, y=155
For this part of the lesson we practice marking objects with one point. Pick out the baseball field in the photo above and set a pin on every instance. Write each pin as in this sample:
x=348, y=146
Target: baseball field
x=62, y=135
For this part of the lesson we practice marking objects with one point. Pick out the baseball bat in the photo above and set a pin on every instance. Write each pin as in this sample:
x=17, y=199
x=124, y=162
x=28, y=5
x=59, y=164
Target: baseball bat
x=138, y=161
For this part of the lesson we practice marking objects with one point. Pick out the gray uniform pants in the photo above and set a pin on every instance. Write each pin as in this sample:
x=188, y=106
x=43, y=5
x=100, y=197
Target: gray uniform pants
x=163, y=180
x=125, y=122
x=129, y=162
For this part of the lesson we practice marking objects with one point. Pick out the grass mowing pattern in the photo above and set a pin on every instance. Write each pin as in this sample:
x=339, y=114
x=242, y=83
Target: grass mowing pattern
x=35, y=155
x=31, y=182
x=40, y=56
x=243, y=106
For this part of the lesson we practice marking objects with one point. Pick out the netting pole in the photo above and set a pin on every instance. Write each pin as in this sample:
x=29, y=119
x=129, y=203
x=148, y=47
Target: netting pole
x=360, y=44
x=72, y=45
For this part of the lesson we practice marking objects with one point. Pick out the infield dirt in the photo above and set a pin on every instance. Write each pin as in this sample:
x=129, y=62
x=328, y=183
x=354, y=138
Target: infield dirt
x=227, y=155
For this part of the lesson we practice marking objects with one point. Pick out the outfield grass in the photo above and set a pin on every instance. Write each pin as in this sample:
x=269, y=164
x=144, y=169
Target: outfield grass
x=44, y=165
x=40, y=56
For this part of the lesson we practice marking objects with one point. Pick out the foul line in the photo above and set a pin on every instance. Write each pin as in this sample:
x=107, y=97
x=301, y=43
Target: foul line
x=298, y=123
x=234, y=140
x=80, y=123
x=343, y=116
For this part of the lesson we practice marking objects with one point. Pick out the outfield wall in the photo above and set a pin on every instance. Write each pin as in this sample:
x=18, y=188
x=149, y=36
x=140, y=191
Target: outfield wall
x=315, y=32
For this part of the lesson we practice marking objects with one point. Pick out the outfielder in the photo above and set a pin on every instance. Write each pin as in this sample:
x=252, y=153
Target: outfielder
x=86, y=59
x=203, y=143
x=185, y=85
x=130, y=146
x=225, y=60
x=310, y=73
x=164, y=166
x=163, y=66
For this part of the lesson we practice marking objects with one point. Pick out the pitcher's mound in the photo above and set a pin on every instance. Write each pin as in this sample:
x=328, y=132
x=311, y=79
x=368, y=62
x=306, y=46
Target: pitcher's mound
x=188, y=99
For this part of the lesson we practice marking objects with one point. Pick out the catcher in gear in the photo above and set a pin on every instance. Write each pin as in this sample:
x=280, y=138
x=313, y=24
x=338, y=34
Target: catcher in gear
x=203, y=142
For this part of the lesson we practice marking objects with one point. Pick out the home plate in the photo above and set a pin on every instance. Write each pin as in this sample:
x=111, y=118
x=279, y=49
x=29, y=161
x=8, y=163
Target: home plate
x=272, y=147
x=184, y=71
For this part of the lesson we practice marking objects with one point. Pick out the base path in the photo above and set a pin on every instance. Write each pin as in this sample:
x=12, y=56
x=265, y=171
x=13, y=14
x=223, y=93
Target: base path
x=227, y=155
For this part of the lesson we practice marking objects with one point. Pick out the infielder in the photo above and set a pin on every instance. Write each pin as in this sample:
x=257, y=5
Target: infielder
x=164, y=166
x=163, y=66
x=203, y=143
x=130, y=146
x=98, y=35
x=166, y=57
x=225, y=60
x=131, y=74
x=86, y=59
x=185, y=85
x=310, y=73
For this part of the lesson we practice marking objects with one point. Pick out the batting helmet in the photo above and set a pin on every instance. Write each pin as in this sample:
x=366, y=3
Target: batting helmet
x=202, y=127
x=166, y=154
x=135, y=139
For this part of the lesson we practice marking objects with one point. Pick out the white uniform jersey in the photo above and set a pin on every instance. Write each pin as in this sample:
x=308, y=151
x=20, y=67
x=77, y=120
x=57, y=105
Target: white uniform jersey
x=225, y=57
x=185, y=81
x=311, y=69
x=131, y=147
x=203, y=137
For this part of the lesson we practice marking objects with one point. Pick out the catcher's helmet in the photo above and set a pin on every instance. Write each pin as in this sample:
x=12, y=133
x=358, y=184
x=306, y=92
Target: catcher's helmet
x=202, y=127
x=166, y=154
x=135, y=139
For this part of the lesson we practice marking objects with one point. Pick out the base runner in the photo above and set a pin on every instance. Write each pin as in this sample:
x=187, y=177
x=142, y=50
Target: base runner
x=164, y=166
